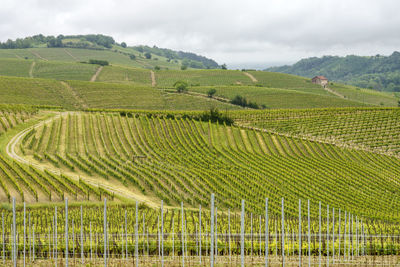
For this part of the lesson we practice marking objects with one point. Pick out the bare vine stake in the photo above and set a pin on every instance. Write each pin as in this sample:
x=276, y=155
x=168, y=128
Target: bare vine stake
x=73, y=240
x=216, y=235
x=259, y=235
x=91, y=248
x=126, y=236
x=241, y=235
x=29, y=236
x=200, y=234
x=66, y=233
x=2, y=223
x=173, y=238
x=33, y=240
x=14, y=237
x=211, y=232
x=344, y=235
x=182, y=237
x=340, y=226
x=136, y=235
x=159, y=237
x=327, y=235
x=56, y=233
x=357, y=254
x=266, y=233
x=229, y=235
x=251, y=236
x=144, y=232
x=309, y=233
x=333, y=236
x=105, y=232
x=82, y=257
x=24, y=231
x=162, y=233
x=300, y=232
x=283, y=234
x=320, y=235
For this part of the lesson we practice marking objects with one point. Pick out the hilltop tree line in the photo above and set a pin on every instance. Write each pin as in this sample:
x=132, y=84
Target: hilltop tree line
x=374, y=72
x=188, y=59
x=93, y=41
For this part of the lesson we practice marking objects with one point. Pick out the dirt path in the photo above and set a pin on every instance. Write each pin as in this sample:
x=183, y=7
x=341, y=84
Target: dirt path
x=94, y=77
x=39, y=56
x=252, y=78
x=31, y=69
x=75, y=58
x=334, y=92
x=80, y=103
x=153, y=79
x=125, y=193
x=18, y=56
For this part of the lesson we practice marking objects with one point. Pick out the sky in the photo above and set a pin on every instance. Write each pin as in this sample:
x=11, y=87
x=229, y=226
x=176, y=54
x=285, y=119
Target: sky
x=242, y=34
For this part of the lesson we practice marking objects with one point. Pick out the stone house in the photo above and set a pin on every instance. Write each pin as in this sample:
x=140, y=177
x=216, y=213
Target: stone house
x=320, y=80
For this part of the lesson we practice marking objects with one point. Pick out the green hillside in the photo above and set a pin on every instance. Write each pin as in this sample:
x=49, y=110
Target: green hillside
x=375, y=72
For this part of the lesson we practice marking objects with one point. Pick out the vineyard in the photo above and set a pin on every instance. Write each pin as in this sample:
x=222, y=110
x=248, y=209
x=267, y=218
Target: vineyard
x=183, y=160
x=371, y=129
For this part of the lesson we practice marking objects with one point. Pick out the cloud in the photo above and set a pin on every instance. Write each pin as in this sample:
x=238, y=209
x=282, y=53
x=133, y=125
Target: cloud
x=253, y=32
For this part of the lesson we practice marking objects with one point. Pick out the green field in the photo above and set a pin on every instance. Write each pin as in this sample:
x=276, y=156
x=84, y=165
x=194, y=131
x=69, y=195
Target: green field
x=64, y=71
x=278, y=98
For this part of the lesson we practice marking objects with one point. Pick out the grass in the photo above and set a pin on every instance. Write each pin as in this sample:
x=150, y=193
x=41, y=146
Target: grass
x=113, y=95
x=125, y=75
x=15, y=67
x=64, y=70
x=167, y=78
x=34, y=92
x=279, y=98
x=366, y=95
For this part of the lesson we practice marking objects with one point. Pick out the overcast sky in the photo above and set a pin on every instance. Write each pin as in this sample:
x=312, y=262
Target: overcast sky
x=246, y=33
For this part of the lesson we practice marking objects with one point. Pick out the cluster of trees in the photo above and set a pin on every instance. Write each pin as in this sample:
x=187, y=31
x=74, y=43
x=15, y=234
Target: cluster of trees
x=95, y=41
x=242, y=101
x=214, y=115
x=99, y=62
x=374, y=72
x=190, y=60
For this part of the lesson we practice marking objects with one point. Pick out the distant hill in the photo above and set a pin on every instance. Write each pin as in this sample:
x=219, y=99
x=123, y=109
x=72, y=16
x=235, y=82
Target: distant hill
x=176, y=59
x=374, y=72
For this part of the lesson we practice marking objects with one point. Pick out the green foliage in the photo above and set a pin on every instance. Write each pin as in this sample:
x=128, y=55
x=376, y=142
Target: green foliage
x=157, y=68
x=211, y=92
x=183, y=67
x=223, y=66
x=123, y=44
x=213, y=115
x=147, y=55
x=242, y=101
x=99, y=62
x=131, y=56
x=374, y=72
x=181, y=86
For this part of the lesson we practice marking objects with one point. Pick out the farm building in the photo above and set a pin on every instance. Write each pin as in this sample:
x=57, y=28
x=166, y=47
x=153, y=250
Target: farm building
x=320, y=80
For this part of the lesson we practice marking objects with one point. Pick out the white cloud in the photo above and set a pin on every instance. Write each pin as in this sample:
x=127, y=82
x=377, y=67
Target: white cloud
x=240, y=33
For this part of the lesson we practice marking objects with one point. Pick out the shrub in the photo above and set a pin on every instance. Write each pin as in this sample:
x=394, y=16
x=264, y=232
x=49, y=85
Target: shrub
x=123, y=44
x=181, y=86
x=211, y=92
x=98, y=62
x=183, y=67
x=157, y=68
x=131, y=56
x=147, y=55
x=214, y=115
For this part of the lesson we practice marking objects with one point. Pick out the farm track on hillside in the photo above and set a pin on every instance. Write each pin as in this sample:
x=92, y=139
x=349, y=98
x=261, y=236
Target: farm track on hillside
x=94, y=77
x=11, y=152
x=31, y=69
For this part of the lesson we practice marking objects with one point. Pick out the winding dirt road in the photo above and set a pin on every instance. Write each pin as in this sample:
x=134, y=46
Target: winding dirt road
x=252, y=78
x=118, y=191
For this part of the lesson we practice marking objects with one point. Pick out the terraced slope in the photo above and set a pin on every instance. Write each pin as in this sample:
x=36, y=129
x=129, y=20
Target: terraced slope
x=185, y=160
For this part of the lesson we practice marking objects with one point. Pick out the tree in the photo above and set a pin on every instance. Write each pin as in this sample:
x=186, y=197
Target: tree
x=181, y=86
x=123, y=44
x=132, y=56
x=184, y=67
x=147, y=55
x=223, y=66
x=157, y=68
x=211, y=92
